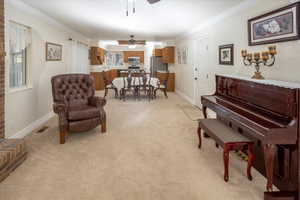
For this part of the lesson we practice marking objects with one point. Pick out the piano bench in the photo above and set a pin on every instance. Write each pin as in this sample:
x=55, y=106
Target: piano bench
x=229, y=139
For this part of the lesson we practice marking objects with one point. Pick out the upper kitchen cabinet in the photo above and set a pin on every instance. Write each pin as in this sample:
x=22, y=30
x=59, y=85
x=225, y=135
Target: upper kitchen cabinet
x=139, y=54
x=97, y=56
x=157, y=52
x=168, y=55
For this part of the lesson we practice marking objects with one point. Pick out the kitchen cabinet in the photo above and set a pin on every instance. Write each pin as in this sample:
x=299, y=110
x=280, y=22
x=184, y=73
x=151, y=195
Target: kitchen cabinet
x=157, y=52
x=98, y=79
x=139, y=54
x=97, y=56
x=168, y=55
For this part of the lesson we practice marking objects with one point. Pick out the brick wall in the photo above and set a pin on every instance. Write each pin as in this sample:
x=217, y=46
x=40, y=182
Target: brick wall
x=2, y=70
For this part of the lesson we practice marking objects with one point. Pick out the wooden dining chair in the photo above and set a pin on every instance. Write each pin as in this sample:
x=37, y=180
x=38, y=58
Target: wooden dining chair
x=162, y=85
x=129, y=86
x=108, y=85
x=145, y=85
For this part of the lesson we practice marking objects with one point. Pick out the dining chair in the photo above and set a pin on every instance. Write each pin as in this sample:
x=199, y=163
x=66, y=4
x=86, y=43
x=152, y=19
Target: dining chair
x=145, y=85
x=162, y=85
x=108, y=85
x=129, y=86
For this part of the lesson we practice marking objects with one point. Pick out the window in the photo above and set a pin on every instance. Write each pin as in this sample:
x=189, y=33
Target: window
x=19, y=41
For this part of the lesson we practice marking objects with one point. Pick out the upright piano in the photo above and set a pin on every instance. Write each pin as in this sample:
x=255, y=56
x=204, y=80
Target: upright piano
x=267, y=112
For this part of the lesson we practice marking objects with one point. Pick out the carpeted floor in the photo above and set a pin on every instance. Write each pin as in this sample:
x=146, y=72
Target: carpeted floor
x=148, y=153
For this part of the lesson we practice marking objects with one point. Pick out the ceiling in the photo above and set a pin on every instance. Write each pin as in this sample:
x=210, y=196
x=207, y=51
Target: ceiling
x=106, y=19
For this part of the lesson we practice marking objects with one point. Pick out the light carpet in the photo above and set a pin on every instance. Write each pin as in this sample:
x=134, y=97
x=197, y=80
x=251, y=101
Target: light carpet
x=148, y=153
x=191, y=111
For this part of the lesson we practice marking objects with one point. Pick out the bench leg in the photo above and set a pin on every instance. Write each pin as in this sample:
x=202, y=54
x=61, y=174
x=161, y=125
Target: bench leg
x=199, y=135
x=250, y=161
x=226, y=161
x=62, y=136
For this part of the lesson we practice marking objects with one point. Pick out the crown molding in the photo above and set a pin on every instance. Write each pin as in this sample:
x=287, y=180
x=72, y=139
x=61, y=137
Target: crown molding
x=197, y=31
x=19, y=4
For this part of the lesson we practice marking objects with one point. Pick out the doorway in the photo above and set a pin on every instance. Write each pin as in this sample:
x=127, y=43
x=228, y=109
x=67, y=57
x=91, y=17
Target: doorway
x=201, y=71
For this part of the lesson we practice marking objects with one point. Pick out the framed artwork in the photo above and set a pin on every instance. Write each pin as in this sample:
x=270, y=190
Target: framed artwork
x=279, y=25
x=114, y=58
x=184, y=55
x=53, y=52
x=226, y=54
x=179, y=55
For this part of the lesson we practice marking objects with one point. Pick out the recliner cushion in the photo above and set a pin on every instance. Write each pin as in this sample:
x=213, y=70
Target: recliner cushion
x=83, y=112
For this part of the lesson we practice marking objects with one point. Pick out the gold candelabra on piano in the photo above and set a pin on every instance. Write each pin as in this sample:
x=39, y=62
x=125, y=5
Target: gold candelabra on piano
x=266, y=58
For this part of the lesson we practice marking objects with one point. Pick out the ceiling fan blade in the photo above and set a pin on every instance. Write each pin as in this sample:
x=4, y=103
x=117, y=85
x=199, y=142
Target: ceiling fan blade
x=142, y=42
x=153, y=1
x=126, y=42
x=123, y=42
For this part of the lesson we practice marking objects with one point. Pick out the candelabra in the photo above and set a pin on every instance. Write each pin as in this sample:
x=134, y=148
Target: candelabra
x=266, y=58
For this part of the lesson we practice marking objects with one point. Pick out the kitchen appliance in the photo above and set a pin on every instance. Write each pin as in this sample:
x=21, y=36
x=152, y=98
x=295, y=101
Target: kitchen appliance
x=156, y=64
x=134, y=63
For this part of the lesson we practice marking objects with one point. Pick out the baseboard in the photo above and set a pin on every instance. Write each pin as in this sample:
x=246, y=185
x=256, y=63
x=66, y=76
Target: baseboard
x=210, y=113
x=34, y=125
x=185, y=97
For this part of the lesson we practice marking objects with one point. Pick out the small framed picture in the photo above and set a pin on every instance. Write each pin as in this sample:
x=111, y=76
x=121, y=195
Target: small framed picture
x=280, y=25
x=53, y=52
x=184, y=55
x=179, y=56
x=226, y=54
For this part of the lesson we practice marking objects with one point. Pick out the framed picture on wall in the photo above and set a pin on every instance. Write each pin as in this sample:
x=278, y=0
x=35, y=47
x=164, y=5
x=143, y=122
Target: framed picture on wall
x=279, y=25
x=226, y=54
x=53, y=52
x=179, y=56
x=184, y=55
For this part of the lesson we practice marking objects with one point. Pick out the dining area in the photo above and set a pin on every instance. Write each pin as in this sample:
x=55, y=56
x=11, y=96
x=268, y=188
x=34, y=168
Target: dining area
x=135, y=85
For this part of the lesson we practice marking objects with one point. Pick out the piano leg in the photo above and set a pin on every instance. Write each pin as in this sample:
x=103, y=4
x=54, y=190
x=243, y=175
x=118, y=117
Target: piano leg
x=199, y=134
x=269, y=154
x=204, y=111
x=250, y=161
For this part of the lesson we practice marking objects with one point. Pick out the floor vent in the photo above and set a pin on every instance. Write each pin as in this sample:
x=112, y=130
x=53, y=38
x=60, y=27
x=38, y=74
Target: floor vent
x=41, y=130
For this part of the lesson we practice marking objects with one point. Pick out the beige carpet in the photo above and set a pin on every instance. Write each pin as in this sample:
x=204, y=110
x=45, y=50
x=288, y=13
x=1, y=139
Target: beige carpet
x=149, y=153
x=191, y=111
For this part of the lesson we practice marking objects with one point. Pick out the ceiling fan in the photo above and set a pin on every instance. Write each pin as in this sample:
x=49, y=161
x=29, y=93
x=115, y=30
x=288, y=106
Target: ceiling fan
x=132, y=42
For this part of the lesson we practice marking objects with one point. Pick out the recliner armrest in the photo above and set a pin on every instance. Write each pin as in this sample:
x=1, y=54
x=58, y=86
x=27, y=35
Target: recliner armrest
x=97, y=101
x=59, y=108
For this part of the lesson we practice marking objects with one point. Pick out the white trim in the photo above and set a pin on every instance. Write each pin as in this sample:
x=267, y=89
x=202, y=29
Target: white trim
x=214, y=20
x=185, y=97
x=19, y=89
x=40, y=15
x=31, y=127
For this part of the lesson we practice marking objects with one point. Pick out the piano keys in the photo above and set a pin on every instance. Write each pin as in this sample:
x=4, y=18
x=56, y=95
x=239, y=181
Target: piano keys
x=267, y=112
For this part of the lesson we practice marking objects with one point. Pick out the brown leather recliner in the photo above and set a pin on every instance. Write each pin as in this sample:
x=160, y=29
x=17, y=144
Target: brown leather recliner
x=75, y=103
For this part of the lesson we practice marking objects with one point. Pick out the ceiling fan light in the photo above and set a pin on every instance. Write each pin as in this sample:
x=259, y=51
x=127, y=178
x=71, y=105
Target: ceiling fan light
x=132, y=46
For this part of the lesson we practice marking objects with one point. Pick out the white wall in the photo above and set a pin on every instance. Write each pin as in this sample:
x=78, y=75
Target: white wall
x=233, y=29
x=23, y=108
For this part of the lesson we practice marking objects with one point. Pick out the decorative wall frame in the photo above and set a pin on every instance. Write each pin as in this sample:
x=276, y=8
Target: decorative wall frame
x=280, y=25
x=184, y=55
x=179, y=56
x=226, y=54
x=53, y=52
